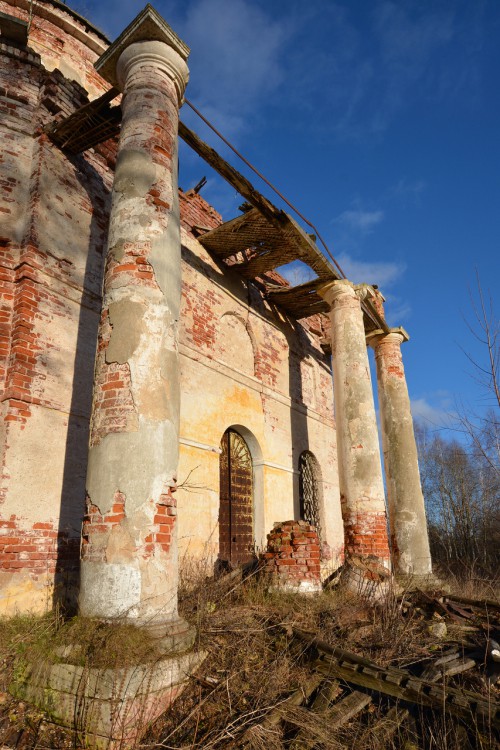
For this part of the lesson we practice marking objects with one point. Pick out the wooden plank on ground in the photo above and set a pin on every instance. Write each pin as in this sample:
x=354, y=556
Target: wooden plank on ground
x=348, y=708
x=413, y=690
x=318, y=727
x=327, y=693
x=296, y=699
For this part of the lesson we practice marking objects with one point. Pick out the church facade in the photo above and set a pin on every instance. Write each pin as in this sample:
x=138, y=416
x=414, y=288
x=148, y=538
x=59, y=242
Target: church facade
x=159, y=402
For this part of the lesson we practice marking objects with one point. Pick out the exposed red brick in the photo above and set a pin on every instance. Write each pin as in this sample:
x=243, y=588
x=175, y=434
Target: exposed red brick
x=293, y=554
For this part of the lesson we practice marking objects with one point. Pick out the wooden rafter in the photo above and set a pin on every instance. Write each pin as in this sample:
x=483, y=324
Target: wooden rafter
x=90, y=125
x=265, y=237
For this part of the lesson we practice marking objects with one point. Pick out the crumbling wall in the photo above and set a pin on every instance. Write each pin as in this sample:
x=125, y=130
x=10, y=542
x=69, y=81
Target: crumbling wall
x=62, y=40
x=292, y=559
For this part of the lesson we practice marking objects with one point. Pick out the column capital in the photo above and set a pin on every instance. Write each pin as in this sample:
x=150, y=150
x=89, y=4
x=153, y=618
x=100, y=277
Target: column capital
x=393, y=336
x=147, y=39
x=333, y=290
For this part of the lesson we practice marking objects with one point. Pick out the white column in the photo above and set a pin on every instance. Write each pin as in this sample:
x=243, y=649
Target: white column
x=129, y=546
x=410, y=541
x=360, y=469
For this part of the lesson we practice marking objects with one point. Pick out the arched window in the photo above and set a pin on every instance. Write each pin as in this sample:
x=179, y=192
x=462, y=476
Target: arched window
x=236, y=500
x=309, y=494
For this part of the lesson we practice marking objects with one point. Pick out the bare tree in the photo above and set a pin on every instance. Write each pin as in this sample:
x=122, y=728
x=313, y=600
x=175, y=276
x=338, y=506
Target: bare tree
x=485, y=328
x=461, y=490
x=461, y=479
x=483, y=429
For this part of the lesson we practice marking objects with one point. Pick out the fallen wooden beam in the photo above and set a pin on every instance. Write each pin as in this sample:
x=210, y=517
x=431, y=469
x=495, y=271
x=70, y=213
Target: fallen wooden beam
x=338, y=663
x=348, y=708
x=275, y=716
x=296, y=699
x=466, y=705
x=448, y=668
x=479, y=603
x=327, y=693
x=318, y=727
x=385, y=729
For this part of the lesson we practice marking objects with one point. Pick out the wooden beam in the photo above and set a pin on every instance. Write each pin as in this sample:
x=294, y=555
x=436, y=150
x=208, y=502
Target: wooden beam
x=234, y=178
x=249, y=230
x=412, y=689
x=398, y=683
x=91, y=124
x=299, y=301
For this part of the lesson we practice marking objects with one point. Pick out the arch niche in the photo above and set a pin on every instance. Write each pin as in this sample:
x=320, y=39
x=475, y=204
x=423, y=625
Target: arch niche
x=239, y=480
x=310, y=495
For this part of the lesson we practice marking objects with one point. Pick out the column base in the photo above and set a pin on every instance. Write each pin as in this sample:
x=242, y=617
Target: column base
x=307, y=588
x=111, y=708
x=172, y=637
x=368, y=578
x=427, y=582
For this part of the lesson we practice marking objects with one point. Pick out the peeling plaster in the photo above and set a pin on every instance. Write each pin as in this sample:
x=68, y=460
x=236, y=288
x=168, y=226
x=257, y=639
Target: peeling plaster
x=154, y=368
x=140, y=464
x=117, y=593
x=165, y=259
x=126, y=318
x=135, y=173
x=120, y=548
x=118, y=250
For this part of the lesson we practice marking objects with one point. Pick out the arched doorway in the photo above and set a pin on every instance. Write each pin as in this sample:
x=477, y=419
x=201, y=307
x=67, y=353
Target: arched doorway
x=236, y=500
x=309, y=495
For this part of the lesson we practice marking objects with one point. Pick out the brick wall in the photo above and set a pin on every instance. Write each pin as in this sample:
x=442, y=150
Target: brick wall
x=196, y=212
x=366, y=535
x=292, y=559
x=52, y=236
x=63, y=42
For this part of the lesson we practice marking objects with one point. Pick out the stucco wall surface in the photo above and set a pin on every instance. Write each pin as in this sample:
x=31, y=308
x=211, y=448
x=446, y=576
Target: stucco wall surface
x=244, y=367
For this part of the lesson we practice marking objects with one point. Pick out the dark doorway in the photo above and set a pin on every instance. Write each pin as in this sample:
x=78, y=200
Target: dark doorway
x=236, y=500
x=308, y=491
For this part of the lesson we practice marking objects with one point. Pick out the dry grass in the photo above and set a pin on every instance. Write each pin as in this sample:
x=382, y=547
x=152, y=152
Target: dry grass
x=252, y=668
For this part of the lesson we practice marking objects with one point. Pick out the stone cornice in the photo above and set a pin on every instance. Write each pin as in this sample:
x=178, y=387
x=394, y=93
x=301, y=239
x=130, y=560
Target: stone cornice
x=396, y=335
x=332, y=290
x=148, y=26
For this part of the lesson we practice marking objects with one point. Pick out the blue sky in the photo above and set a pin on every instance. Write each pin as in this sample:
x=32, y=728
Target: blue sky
x=380, y=121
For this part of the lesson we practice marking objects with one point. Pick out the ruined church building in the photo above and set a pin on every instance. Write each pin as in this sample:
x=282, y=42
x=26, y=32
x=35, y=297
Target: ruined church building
x=165, y=393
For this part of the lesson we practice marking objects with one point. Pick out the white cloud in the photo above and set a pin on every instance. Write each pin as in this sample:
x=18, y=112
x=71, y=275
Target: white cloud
x=435, y=416
x=384, y=59
x=371, y=272
x=397, y=310
x=228, y=123
x=296, y=272
x=409, y=39
x=362, y=221
x=236, y=55
x=409, y=189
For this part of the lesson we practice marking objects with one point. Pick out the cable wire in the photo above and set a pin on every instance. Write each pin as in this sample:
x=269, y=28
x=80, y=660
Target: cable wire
x=269, y=184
